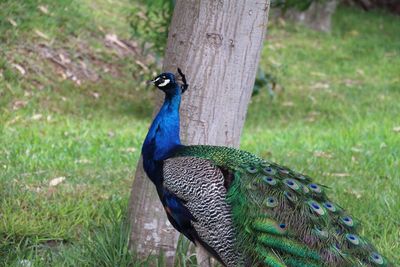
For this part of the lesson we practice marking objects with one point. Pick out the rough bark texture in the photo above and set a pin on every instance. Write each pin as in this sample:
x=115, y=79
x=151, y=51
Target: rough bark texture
x=217, y=44
x=317, y=16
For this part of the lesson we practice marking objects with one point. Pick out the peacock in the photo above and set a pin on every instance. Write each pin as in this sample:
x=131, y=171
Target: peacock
x=244, y=210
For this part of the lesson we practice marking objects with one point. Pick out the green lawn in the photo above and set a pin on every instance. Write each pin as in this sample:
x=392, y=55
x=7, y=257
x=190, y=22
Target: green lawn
x=334, y=116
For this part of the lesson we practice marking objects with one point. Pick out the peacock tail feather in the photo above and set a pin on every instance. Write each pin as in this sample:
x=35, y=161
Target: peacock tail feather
x=279, y=217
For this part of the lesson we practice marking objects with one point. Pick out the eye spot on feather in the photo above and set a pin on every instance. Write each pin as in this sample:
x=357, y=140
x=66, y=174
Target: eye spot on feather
x=329, y=206
x=282, y=226
x=269, y=171
x=376, y=258
x=353, y=239
x=315, y=188
x=292, y=184
x=269, y=180
x=251, y=169
x=347, y=220
x=272, y=202
x=315, y=207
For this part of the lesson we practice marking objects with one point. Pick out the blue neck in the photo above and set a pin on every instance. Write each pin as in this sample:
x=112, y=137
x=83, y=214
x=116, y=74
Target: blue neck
x=163, y=135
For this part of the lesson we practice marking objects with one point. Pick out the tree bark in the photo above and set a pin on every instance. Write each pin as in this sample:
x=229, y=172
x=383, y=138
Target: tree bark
x=217, y=44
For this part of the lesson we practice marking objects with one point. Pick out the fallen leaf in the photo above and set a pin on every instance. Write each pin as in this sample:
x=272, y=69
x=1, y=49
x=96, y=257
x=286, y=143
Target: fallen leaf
x=56, y=181
x=82, y=161
x=356, y=149
x=76, y=80
x=12, y=22
x=320, y=74
x=113, y=38
x=320, y=86
x=19, y=68
x=64, y=59
x=37, y=189
x=142, y=65
x=341, y=174
x=323, y=154
x=360, y=72
x=129, y=150
x=36, y=117
x=11, y=122
x=44, y=9
x=95, y=95
x=288, y=104
x=19, y=104
x=41, y=34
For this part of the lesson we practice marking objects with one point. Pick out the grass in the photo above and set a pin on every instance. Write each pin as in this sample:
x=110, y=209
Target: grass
x=333, y=116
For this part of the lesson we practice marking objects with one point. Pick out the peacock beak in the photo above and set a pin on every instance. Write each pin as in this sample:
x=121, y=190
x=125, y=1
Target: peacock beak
x=150, y=81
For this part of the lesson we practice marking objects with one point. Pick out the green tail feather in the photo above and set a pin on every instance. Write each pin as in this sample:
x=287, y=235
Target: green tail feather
x=288, y=246
x=269, y=226
x=268, y=258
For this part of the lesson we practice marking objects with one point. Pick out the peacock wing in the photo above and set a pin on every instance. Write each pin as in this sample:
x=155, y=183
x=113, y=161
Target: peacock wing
x=283, y=218
x=197, y=204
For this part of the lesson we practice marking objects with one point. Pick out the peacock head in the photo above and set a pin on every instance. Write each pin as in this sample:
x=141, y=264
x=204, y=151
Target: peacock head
x=167, y=83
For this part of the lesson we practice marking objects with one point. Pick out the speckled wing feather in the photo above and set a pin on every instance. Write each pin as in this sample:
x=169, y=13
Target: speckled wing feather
x=200, y=186
x=280, y=217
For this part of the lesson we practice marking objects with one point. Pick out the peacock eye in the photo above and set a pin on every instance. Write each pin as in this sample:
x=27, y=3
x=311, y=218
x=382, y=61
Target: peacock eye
x=353, y=239
x=376, y=258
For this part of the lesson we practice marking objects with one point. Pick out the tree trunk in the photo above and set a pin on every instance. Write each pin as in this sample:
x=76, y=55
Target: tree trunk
x=217, y=44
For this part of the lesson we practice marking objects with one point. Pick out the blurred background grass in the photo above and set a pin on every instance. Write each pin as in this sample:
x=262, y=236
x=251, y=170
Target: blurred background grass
x=74, y=111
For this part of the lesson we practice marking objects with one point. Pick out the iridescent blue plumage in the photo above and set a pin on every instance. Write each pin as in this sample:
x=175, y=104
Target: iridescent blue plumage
x=161, y=140
x=163, y=136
